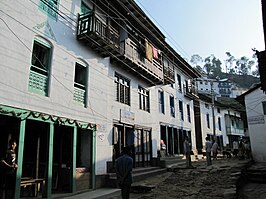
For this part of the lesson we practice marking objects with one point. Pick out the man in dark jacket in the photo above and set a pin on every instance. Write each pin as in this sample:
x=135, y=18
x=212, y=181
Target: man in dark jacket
x=123, y=166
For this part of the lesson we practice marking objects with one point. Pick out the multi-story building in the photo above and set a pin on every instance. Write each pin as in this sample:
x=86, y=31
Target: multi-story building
x=220, y=120
x=82, y=79
x=221, y=87
x=255, y=104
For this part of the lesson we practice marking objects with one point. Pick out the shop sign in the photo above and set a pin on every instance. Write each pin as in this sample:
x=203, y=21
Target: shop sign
x=258, y=119
x=127, y=117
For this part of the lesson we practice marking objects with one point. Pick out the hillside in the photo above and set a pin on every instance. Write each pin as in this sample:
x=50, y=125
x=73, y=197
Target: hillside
x=243, y=81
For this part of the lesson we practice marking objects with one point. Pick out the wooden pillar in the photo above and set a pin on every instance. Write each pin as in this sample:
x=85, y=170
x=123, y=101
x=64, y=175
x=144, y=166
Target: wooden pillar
x=20, y=157
x=74, y=160
x=48, y=187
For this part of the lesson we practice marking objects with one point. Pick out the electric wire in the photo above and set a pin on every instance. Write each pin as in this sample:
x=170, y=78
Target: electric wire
x=55, y=78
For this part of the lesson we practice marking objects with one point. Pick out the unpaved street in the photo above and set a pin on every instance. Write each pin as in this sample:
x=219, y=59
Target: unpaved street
x=216, y=181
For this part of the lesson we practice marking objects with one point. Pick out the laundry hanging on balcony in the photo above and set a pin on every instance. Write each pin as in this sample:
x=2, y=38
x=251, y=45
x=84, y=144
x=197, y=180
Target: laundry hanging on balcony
x=155, y=52
x=149, y=47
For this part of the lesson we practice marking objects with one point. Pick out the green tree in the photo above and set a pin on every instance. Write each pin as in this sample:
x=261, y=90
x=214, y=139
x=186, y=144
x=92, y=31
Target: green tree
x=229, y=62
x=212, y=66
x=196, y=60
x=244, y=65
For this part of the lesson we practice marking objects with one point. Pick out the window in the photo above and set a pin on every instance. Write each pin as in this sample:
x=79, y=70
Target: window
x=39, y=69
x=49, y=7
x=218, y=110
x=122, y=89
x=207, y=106
x=208, y=120
x=161, y=101
x=144, y=99
x=80, y=80
x=181, y=110
x=264, y=107
x=85, y=9
x=172, y=106
x=188, y=113
x=179, y=86
x=219, y=124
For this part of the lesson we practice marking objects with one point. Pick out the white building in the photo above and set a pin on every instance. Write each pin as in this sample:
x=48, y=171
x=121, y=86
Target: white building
x=77, y=85
x=255, y=102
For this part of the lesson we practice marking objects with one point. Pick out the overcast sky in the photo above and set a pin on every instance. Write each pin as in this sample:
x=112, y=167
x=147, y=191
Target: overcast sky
x=208, y=27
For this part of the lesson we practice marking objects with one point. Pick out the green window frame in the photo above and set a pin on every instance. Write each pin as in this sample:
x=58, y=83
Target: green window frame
x=80, y=83
x=40, y=67
x=85, y=9
x=49, y=7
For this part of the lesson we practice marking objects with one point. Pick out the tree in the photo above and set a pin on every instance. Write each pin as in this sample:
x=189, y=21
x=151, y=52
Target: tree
x=229, y=62
x=244, y=65
x=212, y=66
x=196, y=59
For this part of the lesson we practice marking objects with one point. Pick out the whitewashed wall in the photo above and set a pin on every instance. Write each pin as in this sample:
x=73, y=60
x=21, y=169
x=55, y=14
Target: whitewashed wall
x=256, y=124
x=27, y=22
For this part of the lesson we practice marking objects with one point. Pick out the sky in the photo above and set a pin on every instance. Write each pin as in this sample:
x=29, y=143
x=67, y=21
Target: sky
x=206, y=27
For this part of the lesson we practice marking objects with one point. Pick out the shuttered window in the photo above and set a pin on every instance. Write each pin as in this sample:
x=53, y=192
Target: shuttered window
x=122, y=89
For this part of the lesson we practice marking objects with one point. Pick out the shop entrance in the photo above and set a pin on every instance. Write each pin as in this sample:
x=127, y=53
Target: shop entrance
x=139, y=140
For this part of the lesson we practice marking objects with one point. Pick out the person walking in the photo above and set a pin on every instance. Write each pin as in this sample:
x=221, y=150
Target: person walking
x=208, y=147
x=187, y=149
x=215, y=150
x=124, y=166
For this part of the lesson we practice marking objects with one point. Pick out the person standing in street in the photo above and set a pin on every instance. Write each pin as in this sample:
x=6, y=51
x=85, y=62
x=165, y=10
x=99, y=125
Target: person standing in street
x=9, y=166
x=208, y=147
x=187, y=149
x=215, y=150
x=235, y=148
x=124, y=166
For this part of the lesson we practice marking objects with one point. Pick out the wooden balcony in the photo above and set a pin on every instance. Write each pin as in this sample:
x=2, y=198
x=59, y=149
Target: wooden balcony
x=137, y=62
x=169, y=75
x=94, y=33
x=190, y=92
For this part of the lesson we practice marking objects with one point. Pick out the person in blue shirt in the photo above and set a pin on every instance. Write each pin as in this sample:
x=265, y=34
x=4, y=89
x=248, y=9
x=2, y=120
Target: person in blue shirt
x=124, y=166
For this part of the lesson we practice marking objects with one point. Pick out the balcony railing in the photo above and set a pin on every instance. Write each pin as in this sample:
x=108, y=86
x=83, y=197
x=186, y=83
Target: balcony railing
x=190, y=91
x=169, y=75
x=38, y=83
x=153, y=70
x=221, y=85
x=79, y=95
x=96, y=34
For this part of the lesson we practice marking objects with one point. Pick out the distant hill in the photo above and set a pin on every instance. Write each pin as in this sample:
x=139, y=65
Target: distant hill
x=243, y=81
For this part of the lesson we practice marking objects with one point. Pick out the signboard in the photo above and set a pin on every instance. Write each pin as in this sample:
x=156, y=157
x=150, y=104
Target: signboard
x=127, y=117
x=258, y=119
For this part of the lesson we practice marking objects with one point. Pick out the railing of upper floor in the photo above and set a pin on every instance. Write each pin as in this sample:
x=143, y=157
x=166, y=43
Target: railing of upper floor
x=224, y=85
x=105, y=39
x=99, y=36
x=224, y=91
x=133, y=53
x=190, y=91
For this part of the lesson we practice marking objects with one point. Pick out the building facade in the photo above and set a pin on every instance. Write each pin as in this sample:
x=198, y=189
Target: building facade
x=81, y=80
x=256, y=110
